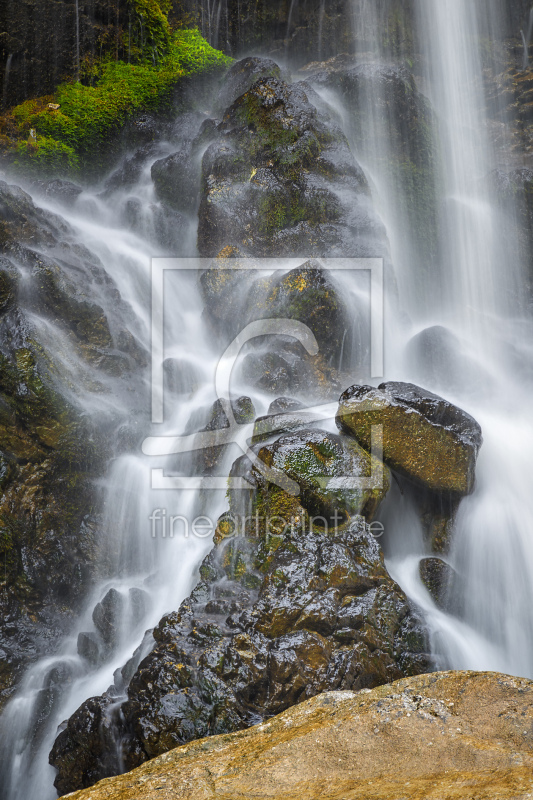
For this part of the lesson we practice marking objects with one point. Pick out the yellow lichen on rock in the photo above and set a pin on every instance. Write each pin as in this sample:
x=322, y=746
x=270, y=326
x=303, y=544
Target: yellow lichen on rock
x=441, y=736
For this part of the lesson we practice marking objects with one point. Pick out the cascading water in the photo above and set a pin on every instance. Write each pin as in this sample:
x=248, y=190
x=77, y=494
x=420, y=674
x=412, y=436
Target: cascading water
x=148, y=575
x=465, y=289
x=484, y=307
x=472, y=289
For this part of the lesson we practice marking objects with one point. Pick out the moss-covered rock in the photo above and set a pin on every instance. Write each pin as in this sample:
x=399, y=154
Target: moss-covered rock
x=425, y=438
x=321, y=464
x=82, y=119
x=280, y=180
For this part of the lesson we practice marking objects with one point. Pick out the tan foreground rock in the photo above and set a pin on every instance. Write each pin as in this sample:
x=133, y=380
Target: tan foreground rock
x=439, y=736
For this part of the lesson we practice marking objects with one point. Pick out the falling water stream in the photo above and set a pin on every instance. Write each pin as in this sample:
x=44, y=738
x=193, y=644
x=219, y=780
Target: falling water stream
x=473, y=290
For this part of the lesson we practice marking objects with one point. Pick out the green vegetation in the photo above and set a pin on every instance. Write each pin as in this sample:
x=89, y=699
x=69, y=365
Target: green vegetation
x=66, y=138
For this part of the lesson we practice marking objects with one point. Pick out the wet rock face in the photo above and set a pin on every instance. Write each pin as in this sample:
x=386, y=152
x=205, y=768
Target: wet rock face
x=50, y=451
x=425, y=438
x=437, y=577
x=440, y=359
x=320, y=464
x=241, y=77
x=450, y=734
x=288, y=604
x=280, y=180
x=307, y=294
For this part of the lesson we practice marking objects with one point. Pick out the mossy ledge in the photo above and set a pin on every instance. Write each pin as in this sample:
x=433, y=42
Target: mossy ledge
x=60, y=134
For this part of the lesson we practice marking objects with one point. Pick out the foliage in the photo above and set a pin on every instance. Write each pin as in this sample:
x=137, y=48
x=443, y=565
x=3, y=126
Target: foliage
x=66, y=137
x=46, y=155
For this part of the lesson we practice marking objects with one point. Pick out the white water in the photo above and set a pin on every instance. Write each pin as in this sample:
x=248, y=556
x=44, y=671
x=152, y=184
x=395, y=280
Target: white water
x=166, y=568
x=473, y=290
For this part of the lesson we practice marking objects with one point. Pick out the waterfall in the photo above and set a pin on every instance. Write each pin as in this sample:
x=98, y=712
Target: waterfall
x=469, y=281
x=479, y=278
x=526, y=41
x=148, y=575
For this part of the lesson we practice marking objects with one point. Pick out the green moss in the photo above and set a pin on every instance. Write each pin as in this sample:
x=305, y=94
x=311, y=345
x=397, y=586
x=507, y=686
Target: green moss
x=151, y=32
x=66, y=138
x=46, y=155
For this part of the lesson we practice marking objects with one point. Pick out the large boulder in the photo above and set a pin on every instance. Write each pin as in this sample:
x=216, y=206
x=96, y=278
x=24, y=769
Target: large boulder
x=447, y=735
x=321, y=464
x=280, y=180
x=241, y=76
x=425, y=438
x=306, y=294
x=293, y=599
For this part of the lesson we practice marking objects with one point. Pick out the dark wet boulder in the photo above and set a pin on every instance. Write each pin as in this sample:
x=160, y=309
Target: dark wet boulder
x=439, y=357
x=21, y=221
x=281, y=361
x=272, y=183
x=279, y=615
x=207, y=459
x=242, y=75
x=425, y=438
x=108, y=616
x=306, y=294
x=242, y=408
x=89, y=647
x=437, y=576
x=277, y=367
x=86, y=746
x=63, y=192
x=282, y=404
x=177, y=179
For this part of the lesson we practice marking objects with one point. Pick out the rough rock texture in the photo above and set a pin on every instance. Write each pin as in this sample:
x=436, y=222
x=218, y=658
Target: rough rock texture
x=437, y=577
x=280, y=180
x=279, y=363
x=50, y=451
x=445, y=736
x=425, y=438
x=306, y=294
x=294, y=599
